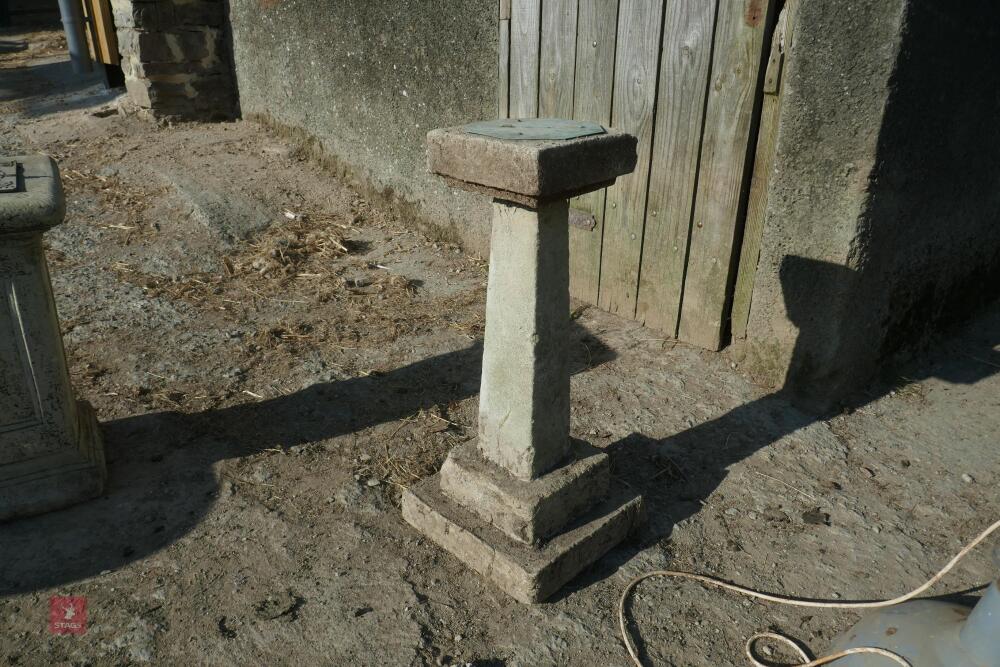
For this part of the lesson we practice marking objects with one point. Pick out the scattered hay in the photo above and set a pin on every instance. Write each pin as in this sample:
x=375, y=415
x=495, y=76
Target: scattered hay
x=194, y=288
x=383, y=282
x=909, y=388
x=114, y=194
x=286, y=248
x=408, y=457
x=276, y=336
x=474, y=327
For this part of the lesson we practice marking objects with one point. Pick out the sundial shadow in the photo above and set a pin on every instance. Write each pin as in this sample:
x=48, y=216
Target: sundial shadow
x=162, y=483
x=160, y=465
x=677, y=474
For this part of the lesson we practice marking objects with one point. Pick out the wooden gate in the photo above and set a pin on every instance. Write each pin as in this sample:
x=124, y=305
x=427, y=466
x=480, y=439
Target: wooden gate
x=684, y=76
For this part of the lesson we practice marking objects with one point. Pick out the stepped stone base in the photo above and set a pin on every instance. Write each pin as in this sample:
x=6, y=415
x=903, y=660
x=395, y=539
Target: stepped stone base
x=528, y=511
x=528, y=574
x=58, y=480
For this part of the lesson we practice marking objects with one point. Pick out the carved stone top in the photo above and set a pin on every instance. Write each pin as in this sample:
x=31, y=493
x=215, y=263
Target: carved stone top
x=528, y=129
x=530, y=172
x=37, y=202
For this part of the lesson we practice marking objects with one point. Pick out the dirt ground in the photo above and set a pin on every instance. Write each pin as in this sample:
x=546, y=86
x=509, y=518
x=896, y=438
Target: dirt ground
x=273, y=358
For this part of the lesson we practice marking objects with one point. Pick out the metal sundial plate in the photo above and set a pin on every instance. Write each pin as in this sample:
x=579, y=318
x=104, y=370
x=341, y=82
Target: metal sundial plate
x=8, y=176
x=537, y=129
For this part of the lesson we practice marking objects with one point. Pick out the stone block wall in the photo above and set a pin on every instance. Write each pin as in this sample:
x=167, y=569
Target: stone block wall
x=176, y=58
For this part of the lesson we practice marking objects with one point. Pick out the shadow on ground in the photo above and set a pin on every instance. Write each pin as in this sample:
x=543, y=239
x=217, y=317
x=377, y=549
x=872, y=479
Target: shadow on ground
x=676, y=474
x=160, y=465
x=32, y=87
x=162, y=481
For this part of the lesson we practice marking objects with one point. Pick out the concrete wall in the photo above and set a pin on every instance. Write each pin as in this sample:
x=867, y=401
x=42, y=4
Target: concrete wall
x=175, y=56
x=881, y=224
x=366, y=80
x=883, y=219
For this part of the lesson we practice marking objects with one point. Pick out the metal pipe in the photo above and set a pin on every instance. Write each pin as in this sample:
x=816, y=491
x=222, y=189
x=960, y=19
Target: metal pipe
x=76, y=41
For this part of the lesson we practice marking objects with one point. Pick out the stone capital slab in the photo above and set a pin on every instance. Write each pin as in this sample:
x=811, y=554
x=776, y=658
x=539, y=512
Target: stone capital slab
x=530, y=172
x=38, y=203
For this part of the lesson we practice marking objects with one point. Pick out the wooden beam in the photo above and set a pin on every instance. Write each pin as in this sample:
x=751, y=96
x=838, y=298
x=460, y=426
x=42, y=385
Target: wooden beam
x=767, y=140
x=687, y=52
x=596, y=36
x=636, y=65
x=724, y=175
x=503, y=83
x=557, y=61
x=103, y=35
x=525, y=32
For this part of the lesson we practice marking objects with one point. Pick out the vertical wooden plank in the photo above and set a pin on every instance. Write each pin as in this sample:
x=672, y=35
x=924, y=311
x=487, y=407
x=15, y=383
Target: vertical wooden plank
x=525, y=28
x=636, y=64
x=688, y=28
x=597, y=27
x=763, y=164
x=103, y=32
x=557, y=61
x=90, y=33
x=503, y=84
x=723, y=177
x=503, y=89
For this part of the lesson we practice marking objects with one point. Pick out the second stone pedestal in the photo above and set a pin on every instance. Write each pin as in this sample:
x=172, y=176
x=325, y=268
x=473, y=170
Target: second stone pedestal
x=51, y=453
x=525, y=505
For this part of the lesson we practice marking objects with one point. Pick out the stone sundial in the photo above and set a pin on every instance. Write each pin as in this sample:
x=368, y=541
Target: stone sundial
x=525, y=505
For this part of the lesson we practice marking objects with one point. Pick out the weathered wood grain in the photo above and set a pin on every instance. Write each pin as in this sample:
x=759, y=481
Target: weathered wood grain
x=503, y=81
x=596, y=37
x=525, y=32
x=723, y=177
x=557, y=61
x=636, y=64
x=687, y=52
x=102, y=29
x=767, y=138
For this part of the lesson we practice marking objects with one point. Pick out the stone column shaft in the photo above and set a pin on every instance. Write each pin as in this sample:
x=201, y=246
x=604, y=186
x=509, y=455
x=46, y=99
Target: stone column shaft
x=524, y=402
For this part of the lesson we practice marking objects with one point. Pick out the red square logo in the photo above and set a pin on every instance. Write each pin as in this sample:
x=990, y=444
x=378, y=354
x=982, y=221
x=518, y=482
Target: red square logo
x=67, y=615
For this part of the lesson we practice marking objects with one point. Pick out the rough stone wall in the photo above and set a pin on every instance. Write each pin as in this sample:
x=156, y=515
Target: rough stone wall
x=366, y=80
x=882, y=219
x=175, y=56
